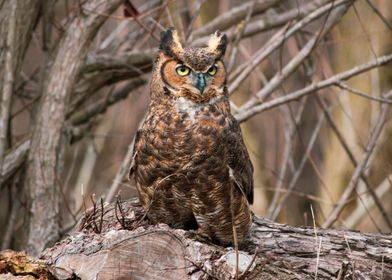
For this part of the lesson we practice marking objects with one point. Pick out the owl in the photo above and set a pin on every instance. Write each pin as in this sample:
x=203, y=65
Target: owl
x=190, y=164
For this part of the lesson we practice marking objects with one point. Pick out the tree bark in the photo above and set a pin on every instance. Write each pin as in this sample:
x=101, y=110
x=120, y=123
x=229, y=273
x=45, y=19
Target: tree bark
x=43, y=158
x=17, y=20
x=121, y=245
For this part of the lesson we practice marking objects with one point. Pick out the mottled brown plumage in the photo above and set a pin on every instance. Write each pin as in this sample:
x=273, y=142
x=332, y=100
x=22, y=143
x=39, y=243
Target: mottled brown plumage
x=190, y=164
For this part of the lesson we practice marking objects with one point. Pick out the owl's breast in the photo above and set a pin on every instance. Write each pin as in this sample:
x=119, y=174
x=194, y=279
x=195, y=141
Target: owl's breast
x=185, y=140
x=192, y=129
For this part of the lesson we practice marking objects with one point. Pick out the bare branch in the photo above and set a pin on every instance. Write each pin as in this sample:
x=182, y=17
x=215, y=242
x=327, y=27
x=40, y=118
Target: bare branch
x=369, y=149
x=300, y=167
x=287, y=154
x=126, y=60
x=270, y=21
x=234, y=16
x=244, y=114
x=379, y=14
x=353, y=160
x=100, y=106
x=243, y=71
x=362, y=210
x=362, y=94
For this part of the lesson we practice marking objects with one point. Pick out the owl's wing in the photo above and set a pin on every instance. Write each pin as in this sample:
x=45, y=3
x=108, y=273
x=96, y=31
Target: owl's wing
x=133, y=154
x=241, y=168
x=134, y=146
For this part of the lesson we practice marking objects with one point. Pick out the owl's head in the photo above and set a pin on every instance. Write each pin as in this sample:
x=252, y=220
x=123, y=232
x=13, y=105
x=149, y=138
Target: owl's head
x=194, y=73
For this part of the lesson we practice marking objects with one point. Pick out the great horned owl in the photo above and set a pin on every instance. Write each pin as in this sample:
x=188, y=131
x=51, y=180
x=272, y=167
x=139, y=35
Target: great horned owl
x=190, y=164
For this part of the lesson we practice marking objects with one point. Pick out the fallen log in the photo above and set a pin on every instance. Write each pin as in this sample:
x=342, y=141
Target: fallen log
x=116, y=242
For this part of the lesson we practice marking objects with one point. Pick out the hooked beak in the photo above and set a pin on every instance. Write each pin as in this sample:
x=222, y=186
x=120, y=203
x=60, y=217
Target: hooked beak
x=200, y=82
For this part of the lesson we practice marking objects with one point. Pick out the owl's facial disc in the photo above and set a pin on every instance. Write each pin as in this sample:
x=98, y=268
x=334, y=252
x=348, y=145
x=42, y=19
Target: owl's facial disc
x=183, y=80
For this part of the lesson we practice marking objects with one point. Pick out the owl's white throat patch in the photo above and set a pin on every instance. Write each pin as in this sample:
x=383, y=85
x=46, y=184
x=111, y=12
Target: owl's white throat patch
x=184, y=105
x=190, y=107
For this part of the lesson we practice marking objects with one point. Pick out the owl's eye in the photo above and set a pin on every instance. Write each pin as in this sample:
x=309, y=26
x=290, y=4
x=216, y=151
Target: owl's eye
x=182, y=70
x=212, y=70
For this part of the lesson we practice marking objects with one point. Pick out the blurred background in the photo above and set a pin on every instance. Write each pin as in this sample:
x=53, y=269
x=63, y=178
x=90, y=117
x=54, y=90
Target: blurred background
x=310, y=82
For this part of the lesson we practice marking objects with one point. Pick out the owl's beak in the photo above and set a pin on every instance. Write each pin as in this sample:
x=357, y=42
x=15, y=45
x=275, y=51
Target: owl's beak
x=200, y=82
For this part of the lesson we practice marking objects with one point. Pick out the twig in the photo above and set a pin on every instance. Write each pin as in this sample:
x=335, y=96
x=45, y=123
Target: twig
x=366, y=35
x=101, y=218
x=233, y=16
x=169, y=16
x=359, y=212
x=235, y=238
x=314, y=221
x=130, y=10
x=362, y=94
x=302, y=194
x=271, y=21
x=95, y=226
x=242, y=72
x=287, y=154
x=119, y=205
x=155, y=23
x=276, y=41
x=279, y=77
x=353, y=160
x=379, y=14
x=200, y=267
x=300, y=168
x=318, y=258
x=369, y=149
x=240, y=32
x=192, y=22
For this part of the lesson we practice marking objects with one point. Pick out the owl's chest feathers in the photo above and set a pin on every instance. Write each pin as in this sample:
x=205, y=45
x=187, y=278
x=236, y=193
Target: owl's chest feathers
x=186, y=131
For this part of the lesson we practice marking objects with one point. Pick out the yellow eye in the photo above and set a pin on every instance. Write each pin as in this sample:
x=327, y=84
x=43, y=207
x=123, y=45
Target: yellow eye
x=182, y=70
x=212, y=70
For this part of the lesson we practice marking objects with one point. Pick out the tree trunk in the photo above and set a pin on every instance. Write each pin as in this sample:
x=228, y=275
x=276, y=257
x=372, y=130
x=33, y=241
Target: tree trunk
x=121, y=245
x=44, y=156
x=17, y=19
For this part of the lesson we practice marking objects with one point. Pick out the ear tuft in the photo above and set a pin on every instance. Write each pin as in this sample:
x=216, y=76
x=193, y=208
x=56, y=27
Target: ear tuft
x=170, y=43
x=217, y=43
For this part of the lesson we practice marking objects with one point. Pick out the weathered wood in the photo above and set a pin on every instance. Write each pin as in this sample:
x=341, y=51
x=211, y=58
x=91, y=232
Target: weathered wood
x=121, y=244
